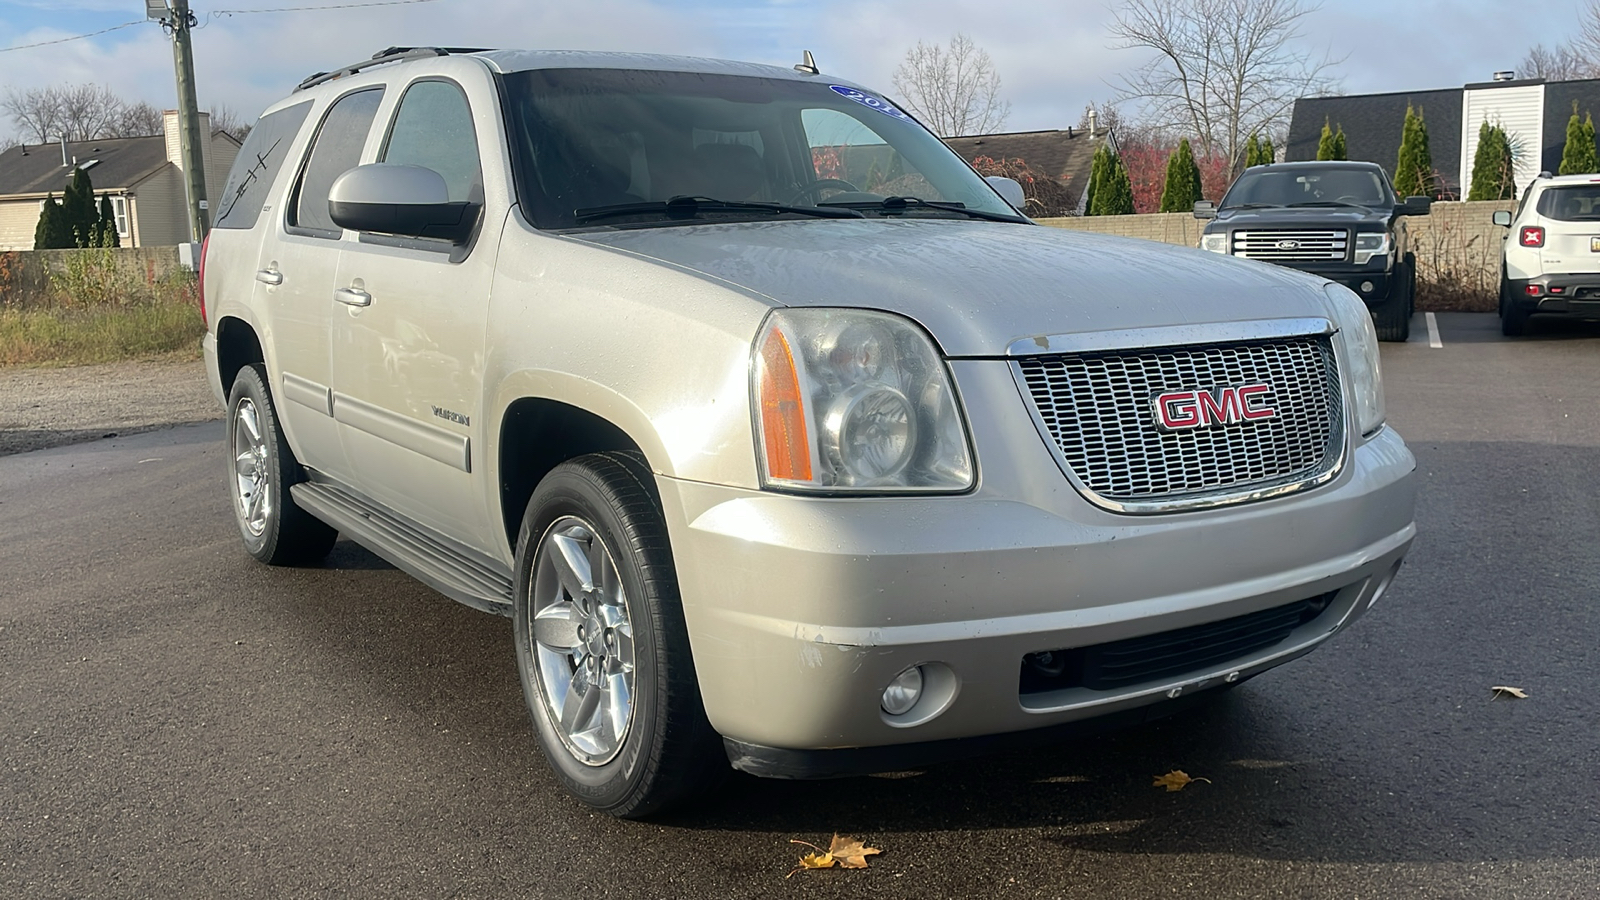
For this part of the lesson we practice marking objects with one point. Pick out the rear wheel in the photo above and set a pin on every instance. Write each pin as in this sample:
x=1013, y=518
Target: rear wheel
x=1513, y=320
x=262, y=468
x=602, y=647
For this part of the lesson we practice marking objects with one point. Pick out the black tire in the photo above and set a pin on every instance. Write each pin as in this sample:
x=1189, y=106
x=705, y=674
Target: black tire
x=667, y=752
x=1411, y=284
x=1513, y=321
x=275, y=530
x=1392, y=318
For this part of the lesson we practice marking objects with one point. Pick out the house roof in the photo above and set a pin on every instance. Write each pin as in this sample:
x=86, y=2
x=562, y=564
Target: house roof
x=121, y=163
x=1373, y=124
x=1066, y=156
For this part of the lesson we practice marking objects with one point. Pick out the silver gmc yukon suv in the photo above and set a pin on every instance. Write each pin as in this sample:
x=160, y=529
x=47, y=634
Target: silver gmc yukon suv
x=784, y=440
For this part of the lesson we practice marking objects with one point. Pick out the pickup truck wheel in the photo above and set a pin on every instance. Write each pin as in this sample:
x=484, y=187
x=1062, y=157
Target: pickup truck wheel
x=1513, y=321
x=262, y=468
x=1392, y=318
x=602, y=647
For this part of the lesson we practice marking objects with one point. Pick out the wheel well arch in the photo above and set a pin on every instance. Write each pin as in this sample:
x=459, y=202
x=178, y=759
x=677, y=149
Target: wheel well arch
x=237, y=347
x=536, y=435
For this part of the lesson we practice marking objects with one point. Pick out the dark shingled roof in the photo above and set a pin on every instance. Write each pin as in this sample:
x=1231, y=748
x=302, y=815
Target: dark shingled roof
x=1067, y=156
x=1373, y=124
x=123, y=162
x=1558, y=99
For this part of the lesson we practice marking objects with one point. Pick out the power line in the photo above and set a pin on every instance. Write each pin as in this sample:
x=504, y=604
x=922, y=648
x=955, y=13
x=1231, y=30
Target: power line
x=79, y=37
x=237, y=12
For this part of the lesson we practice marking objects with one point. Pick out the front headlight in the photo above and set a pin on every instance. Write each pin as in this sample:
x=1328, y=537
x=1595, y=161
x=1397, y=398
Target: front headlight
x=855, y=400
x=1216, y=243
x=1370, y=245
x=1358, y=342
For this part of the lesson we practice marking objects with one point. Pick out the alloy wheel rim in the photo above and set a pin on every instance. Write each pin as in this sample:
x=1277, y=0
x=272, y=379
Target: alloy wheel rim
x=582, y=641
x=252, y=490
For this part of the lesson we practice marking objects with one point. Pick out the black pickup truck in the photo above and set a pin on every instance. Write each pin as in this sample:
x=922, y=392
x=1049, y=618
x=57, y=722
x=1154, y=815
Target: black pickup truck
x=1340, y=220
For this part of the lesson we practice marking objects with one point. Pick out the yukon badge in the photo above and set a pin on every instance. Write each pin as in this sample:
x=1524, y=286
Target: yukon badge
x=1183, y=410
x=451, y=415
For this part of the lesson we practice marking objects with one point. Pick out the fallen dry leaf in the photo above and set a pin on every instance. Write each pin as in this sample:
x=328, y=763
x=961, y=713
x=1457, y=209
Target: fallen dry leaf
x=1501, y=690
x=1176, y=780
x=846, y=853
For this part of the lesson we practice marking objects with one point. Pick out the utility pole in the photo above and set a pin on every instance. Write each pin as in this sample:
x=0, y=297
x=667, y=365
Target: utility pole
x=179, y=21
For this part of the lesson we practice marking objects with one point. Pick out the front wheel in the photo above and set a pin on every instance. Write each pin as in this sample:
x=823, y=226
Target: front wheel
x=602, y=647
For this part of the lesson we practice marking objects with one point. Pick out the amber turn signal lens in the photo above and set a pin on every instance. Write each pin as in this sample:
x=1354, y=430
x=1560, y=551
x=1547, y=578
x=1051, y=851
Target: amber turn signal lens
x=783, y=422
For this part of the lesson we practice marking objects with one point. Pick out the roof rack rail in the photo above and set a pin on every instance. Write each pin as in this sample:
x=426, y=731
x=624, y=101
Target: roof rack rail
x=392, y=54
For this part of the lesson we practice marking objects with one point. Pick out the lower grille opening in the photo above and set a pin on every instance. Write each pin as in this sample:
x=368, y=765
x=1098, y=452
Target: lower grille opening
x=1106, y=667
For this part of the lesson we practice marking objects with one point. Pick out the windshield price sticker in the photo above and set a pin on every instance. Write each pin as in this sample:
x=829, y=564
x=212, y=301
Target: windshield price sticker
x=867, y=100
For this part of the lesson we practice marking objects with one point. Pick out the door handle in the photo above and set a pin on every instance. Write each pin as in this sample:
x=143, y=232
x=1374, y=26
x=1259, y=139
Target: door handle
x=352, y=297
x=269, y=276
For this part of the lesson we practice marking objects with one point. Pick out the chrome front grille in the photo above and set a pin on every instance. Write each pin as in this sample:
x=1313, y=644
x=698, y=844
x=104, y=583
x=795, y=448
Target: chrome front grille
x=1292, y=246
x=1097, y=409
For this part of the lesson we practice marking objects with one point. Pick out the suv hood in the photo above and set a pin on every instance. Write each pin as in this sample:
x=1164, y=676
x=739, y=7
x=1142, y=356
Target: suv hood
x=1301, y=217
x=979, y=286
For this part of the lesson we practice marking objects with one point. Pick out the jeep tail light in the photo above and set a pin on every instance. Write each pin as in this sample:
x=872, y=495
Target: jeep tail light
x=1533, y=290
x=201, y=287
x=783, y=415
x=1533, y=236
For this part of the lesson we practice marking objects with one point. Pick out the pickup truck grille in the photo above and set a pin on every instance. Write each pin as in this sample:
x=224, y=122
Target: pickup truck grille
x=1098, y=411
x=1292, y=246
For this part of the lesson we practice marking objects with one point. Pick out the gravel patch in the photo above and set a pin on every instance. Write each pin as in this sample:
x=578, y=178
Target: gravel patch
x=42, y=408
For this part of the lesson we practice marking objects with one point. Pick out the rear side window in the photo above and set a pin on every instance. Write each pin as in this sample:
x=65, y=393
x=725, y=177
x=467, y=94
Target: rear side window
x=336, y=150
x=433, y=128
x=257, y=165
x=1579, y=203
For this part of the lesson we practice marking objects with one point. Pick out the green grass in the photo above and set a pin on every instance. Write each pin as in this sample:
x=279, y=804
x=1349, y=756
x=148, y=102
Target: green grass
x=82, y=336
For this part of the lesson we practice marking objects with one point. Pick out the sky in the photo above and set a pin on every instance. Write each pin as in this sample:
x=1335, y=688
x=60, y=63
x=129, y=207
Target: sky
x=1053, y=56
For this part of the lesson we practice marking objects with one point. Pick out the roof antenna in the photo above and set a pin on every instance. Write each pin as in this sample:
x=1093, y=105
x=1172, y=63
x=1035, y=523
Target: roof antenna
x=808, y=66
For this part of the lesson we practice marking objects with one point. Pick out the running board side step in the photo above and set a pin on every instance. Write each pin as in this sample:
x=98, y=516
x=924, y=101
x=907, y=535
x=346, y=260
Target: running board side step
x=466, y=578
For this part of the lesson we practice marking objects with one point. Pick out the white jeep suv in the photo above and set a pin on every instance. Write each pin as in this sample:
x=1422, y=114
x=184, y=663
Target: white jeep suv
x=784, y=440
x=1551, y=261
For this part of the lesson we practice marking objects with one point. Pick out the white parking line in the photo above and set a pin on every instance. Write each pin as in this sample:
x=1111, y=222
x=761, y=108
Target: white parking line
x=1433, y=333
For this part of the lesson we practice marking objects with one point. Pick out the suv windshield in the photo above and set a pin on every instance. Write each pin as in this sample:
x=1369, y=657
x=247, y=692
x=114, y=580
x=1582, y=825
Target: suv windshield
x=1580, y=203
x=1304, y=186
x=613, y=146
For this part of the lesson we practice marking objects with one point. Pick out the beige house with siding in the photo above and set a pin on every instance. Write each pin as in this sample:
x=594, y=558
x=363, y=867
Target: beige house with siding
x=143, y=176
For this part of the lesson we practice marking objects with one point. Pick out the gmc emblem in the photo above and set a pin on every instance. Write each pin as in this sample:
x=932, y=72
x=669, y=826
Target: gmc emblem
x=1182, y=410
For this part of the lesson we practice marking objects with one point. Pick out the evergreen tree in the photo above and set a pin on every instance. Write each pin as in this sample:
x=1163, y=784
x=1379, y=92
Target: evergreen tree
x=1340, y=150
x=107, y=225
x=1183, y=180
x=1491, y=165
x=1580, y=156
x=46, y=232
x=1325, y=145
x=1098, y=173
x=77, y=207
x=1268, y=154
x=1252, y=152
x=1413, y=171
x=1117, y=197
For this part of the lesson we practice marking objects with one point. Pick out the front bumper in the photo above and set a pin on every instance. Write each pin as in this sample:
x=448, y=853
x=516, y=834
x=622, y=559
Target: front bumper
x=801, y=610
x=1576, y=295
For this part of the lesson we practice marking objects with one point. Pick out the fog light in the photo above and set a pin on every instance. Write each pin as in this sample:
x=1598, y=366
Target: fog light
x=1367, y=286
x=903, y=692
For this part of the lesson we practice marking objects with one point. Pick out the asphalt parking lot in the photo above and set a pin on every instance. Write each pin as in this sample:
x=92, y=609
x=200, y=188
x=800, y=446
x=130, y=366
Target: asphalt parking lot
x=177, y=721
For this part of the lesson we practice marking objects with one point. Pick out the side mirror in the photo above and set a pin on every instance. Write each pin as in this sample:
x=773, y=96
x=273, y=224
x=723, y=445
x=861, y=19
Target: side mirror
x=1009, y=189
x=1205, y=209
x=1415, y=206
x=404, y=200
x=1502, y=218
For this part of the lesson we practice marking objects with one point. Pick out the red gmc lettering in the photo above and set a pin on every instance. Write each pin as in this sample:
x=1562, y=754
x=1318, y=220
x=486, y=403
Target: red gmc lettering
x=1223, y=406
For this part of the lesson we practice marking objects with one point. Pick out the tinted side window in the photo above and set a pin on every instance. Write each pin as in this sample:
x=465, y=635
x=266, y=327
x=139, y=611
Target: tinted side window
x=337, y=150
x=257, y=165
x=433, y=128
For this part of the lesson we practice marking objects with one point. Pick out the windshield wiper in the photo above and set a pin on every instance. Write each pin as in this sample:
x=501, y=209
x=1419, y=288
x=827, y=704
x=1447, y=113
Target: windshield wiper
x=901, y=204
x=1251, y=206
x=685, y=207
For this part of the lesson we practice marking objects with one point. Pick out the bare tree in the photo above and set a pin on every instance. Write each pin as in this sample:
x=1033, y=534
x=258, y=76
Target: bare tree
x=1586, y=43
x=137, y=120
x=1224, y=69
x=954, y=90
x=1558, y=63
x=81, y=112
x=224, y=119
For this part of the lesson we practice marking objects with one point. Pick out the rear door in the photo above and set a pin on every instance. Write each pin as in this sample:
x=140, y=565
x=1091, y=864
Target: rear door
x=296, y=272
x=1571, y=216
